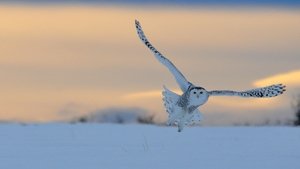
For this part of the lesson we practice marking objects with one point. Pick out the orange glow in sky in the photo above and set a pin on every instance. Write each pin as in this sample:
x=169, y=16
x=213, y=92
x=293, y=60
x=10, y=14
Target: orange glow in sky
x=58, y=62
x=290, y=78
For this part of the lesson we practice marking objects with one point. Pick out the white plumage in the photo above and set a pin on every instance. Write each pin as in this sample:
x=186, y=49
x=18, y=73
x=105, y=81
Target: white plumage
x=183, y=109
x=176, y=113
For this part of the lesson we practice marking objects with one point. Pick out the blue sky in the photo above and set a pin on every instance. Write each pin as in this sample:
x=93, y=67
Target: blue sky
x=174, y=2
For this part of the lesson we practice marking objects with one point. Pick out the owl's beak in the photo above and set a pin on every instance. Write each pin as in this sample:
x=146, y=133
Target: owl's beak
x=198, y=96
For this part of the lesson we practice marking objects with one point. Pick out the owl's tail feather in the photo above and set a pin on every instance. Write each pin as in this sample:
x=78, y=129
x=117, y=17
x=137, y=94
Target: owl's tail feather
x=170, y=99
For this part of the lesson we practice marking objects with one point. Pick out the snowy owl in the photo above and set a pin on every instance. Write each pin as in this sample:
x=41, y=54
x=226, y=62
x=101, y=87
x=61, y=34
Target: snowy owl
x=183, y=109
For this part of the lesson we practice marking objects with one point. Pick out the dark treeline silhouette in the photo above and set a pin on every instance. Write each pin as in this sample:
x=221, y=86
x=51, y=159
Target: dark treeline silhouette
x=296, y=106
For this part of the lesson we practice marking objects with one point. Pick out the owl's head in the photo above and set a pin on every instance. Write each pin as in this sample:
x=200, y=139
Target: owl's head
x=197, y=95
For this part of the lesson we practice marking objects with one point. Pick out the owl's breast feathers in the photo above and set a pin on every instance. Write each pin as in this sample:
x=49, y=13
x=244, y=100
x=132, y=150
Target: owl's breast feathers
x=184, y=103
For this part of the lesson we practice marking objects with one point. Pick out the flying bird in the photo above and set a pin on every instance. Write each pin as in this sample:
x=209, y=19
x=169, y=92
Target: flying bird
x=183, y=109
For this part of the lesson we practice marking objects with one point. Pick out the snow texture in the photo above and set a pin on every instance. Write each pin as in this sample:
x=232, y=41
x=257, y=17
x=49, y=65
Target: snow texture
x=111, y=146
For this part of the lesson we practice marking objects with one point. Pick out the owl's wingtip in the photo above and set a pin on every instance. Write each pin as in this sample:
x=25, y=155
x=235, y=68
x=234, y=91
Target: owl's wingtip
x=282, y=88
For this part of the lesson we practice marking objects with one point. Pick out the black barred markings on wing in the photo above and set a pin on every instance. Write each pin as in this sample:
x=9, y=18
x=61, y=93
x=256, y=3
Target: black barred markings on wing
x=269, y=91
x=144, y=39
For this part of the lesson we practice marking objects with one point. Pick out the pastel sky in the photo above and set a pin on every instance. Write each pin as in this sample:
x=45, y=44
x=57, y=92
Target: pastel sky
x=62, y=61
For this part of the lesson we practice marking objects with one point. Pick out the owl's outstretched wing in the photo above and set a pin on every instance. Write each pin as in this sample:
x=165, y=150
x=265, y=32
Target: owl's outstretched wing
x=181, y=80
x=269, y=91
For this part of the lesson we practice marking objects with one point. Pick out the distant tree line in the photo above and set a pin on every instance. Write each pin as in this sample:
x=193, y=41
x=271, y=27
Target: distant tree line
x=120, y=116
x=296, y=106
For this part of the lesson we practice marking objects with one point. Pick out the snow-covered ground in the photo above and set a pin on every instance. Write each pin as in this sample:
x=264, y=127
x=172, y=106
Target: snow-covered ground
x=109, y=146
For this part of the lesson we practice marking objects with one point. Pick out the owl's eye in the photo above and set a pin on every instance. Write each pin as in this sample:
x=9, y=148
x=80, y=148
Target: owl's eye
x=201, y=92
x=194, y=92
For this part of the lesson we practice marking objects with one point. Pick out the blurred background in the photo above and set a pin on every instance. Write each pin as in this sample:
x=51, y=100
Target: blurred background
x=81, y=61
